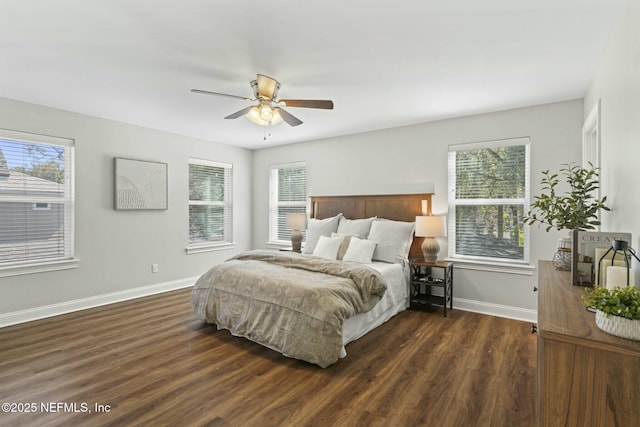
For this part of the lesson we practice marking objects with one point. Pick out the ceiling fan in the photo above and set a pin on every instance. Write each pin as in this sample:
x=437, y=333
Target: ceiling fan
x=268, y=111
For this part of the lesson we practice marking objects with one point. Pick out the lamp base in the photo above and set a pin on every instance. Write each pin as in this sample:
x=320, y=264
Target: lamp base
x=430, y=248
x=296, y=241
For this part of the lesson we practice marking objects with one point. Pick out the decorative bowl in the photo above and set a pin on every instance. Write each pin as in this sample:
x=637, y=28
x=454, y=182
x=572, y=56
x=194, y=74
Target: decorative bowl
x=618, y=326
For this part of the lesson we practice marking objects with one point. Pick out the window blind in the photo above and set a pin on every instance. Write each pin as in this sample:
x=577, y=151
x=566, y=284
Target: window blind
x=210, y=202
x=287, y=194
x=488, y=195
x=36, y=198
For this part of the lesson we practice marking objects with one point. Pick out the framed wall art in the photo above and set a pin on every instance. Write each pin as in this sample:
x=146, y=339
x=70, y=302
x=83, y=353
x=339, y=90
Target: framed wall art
x=140, y=185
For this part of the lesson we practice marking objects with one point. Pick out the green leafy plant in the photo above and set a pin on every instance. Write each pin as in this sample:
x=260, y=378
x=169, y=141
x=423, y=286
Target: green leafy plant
x=619, y=301
x=576, y=209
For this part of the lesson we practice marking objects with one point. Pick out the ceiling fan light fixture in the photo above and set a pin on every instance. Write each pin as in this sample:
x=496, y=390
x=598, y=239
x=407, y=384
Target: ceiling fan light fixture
x=255, y=116
x=266, y=112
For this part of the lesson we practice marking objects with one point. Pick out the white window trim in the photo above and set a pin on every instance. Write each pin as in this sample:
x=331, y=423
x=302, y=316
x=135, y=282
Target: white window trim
x=591, y=143
x=209, y=247
x=591, y=138
x=69, y=262
x=39, y=267
x=197, y=248
x=273, y=219
x=490, y=264
x=522, y=268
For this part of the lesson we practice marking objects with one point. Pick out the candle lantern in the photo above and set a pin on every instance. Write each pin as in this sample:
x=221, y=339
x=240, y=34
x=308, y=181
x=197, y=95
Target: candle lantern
x=617, y=275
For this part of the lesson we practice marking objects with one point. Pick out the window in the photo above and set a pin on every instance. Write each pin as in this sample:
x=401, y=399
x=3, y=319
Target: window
x=36, y=203
x=287, y=194
x=488, y=195
x=210, y=205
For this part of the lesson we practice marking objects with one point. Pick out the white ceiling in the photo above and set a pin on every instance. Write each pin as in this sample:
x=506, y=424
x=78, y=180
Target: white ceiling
x=383, y=63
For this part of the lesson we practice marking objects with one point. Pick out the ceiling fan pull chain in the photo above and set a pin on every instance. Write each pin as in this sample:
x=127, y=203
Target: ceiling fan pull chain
x=267, y=131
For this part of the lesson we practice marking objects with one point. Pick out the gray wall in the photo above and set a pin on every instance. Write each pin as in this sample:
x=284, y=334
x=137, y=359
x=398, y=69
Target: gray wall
x=116, y=248
x=403, y=158
x=617, y=86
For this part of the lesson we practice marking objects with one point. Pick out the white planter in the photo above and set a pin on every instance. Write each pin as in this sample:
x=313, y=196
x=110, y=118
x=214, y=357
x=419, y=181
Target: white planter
x=618, y=326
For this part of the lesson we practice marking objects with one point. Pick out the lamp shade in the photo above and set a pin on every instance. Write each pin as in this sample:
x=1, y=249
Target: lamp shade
x=431, y=226
x=297, y=221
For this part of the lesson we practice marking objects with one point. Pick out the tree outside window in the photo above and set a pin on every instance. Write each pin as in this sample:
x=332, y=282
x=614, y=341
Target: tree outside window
x=488, y=193
x=210, y=202
x=36, y=193
x=288, y=194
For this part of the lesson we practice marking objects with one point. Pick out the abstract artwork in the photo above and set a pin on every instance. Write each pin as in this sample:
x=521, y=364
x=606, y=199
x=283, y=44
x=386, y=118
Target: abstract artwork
x=140, y=184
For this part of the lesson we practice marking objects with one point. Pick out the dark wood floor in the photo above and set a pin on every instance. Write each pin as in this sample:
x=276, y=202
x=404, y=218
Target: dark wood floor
x=149, y=362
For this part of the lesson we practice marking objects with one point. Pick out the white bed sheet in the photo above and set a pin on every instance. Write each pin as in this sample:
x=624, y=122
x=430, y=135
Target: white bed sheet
x=394, y=300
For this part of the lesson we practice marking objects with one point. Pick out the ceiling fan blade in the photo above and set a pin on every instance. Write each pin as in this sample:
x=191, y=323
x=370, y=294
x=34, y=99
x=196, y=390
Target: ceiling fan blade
x=307, y=103
x=288, y=117
x=239, y=113
x=206, y=92
x=267, y=87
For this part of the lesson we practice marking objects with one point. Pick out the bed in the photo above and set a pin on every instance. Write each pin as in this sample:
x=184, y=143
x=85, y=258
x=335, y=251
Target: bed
x=308, y=306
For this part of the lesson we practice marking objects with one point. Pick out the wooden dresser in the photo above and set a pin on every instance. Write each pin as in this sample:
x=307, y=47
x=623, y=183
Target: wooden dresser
x=586, y=377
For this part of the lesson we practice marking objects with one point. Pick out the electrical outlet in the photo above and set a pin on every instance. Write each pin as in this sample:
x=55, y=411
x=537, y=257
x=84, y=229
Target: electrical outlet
x=154, y=268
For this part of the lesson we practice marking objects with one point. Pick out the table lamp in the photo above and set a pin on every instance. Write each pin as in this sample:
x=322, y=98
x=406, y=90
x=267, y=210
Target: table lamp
x=430, y=227
x=296, y=222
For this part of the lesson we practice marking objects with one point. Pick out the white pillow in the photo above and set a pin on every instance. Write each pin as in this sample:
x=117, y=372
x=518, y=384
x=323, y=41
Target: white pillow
x=360, y=250
x=327, y=247
x=355, y=227
x=393, y=240
x=317, y=228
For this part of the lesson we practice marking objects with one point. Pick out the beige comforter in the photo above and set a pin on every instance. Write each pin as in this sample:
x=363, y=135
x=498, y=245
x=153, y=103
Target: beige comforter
x=292, y=303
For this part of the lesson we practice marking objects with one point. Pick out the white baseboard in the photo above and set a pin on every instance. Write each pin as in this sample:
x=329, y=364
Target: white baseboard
x=516, y=313
x=36, y=313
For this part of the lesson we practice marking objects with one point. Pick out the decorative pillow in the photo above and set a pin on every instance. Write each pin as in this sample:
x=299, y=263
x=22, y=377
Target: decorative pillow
x=360, y=250
x=327, y=247
x=393, y=240
x=344, y=245
x=317, y=228
x=355, y=227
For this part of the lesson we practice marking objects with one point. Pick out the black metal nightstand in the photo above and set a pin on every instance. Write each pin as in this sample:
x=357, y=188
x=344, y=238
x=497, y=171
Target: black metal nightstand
x=422, y=281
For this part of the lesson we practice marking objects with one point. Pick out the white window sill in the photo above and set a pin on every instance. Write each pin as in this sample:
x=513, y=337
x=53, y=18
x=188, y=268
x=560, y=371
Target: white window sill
x=495, y=267
x=39, y=267
x=209, y=247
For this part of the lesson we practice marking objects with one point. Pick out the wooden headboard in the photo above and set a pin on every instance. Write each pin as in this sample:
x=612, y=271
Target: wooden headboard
x=397, y=207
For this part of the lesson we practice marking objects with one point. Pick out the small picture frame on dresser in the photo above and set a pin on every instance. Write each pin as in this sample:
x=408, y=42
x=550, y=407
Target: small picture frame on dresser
x=588, y=248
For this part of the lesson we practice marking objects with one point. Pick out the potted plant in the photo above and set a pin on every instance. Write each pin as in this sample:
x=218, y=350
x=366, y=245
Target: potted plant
x=575, y=209
x=617, y=310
